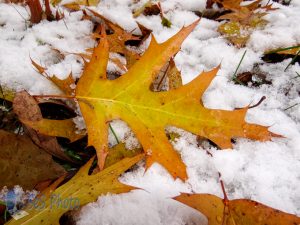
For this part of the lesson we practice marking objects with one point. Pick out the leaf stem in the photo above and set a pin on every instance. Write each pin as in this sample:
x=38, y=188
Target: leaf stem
x=223, y=187
x=54, y=96
x=159, y=86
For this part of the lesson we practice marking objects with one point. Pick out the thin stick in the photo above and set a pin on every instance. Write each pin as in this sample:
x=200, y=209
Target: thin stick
x=225, y=199
x=223, y=187
x=159, y=86
x=257, y=104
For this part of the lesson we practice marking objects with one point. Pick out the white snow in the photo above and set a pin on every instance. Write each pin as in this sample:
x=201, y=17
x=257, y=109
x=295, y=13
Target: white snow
x=266, y=172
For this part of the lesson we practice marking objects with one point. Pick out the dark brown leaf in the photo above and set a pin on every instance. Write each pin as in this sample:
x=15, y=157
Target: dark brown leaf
x=23, y=163
x=26, y=107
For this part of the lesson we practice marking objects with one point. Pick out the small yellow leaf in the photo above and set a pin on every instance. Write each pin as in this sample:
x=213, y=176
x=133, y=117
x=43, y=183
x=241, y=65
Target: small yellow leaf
x=6, y=94
x=76, y=5
x=119, y=152
x=80, y=190
x=235, y=33
x=293, y=51
x=73, y=6
x=55, y=128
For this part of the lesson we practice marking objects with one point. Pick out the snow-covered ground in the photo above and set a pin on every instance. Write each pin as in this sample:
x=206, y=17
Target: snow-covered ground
x=267, y=172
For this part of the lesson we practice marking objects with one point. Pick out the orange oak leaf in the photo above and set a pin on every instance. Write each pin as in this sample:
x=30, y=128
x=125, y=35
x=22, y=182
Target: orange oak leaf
x=129, y=98
x=147, y=112
x=238, y=211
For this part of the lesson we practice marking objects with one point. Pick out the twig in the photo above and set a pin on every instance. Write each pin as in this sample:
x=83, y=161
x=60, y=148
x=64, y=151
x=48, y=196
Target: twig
x=225, y=199
x=223, y=187
x=159, y=85
x=257, y=104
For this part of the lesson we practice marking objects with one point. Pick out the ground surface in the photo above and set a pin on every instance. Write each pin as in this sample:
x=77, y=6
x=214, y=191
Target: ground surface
x=266, y=172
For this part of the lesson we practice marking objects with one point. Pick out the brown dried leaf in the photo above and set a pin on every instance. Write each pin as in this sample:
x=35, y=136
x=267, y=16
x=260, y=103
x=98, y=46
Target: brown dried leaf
x=147, y=9
x=23, y=163
x=119, y=36
x=145, y=32
x=28, y=111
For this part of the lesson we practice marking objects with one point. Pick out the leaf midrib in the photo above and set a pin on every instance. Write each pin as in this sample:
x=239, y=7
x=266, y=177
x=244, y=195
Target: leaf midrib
x=138, y=106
